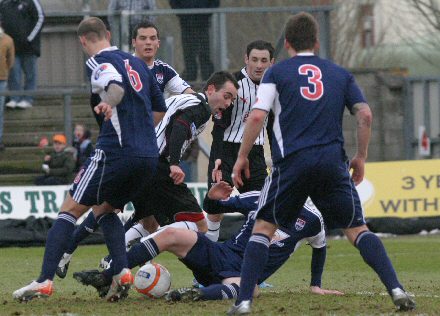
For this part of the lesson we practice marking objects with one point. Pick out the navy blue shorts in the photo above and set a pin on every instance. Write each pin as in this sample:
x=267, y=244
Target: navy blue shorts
x=212, y=262
x=113, y=179
x=319, y=172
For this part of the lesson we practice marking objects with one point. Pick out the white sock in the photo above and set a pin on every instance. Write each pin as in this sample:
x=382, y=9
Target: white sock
x=185, y=225
x=136, y=231
x=213, y=232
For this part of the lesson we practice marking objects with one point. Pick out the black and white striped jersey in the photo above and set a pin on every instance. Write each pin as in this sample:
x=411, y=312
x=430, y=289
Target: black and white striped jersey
x=246, y=97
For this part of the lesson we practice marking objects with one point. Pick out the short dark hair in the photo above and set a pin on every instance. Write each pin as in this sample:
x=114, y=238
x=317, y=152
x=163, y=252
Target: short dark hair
x=144, y=25
x=301, y=31
x=260, y=45
x=219, y=78
x=92, y=28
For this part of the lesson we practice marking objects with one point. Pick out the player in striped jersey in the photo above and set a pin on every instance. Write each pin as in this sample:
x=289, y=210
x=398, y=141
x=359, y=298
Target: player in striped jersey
x=217, y=265
x=227, y=132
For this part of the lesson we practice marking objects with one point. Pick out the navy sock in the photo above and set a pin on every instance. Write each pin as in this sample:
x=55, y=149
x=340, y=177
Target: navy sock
x=374, y=254
x=88, y=226
x=255, y=257
x=56, y=243
x=220, y=291
x=137, y=255
x=114, y=236
x=129, y=223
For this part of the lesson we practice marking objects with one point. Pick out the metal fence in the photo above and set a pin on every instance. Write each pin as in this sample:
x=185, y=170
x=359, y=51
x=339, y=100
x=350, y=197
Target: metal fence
x=422, y=108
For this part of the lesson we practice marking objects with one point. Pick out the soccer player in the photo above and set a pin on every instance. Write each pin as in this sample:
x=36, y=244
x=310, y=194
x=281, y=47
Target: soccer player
x=227, y=132
x=168, y=198
x=217, y=265
x=308, y=96
x=123, y=163
x=146, y=42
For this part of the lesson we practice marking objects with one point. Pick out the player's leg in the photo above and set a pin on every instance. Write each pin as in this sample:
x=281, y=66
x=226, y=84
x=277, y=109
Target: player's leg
x=57, y=240
x=143, y=228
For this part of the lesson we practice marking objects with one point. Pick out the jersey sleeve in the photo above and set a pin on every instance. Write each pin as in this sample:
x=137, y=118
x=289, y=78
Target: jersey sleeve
x=353, y=94
x=241, y=204
x=102, y=76
x=266, y=93
x=176, y=85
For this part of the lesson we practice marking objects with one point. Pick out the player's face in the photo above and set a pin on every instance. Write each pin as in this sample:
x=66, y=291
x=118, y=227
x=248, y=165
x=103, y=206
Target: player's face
x=257, y=62
x=146, y=43
x=219, y=100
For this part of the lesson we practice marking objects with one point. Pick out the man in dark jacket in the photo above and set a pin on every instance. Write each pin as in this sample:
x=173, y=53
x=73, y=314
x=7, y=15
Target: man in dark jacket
x=58, y=166
x=195, y=37
x=23, y=21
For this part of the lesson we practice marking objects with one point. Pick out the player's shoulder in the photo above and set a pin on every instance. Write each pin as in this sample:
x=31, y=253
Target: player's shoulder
x=240, y=75
x=159, y=64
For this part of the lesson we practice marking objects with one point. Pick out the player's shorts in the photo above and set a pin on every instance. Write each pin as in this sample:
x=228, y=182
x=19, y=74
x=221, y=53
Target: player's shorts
x=212, y=262
x=320, y=172
x=165, y=200
x=257, y=166
x=113, y=179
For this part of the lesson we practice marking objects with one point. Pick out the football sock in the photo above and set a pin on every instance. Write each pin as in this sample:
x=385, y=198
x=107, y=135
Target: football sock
x=129, y=223
x=220, y=291
x=135, y=232
x=57, y=240
x=138, y=254
x=213, y=232
x=374, y=254
x=255, y=257
x=88, y=226
x=114, y=233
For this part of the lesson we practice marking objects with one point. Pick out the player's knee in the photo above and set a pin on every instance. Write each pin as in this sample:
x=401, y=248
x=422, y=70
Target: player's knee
x=171, y=235
x=353, y=233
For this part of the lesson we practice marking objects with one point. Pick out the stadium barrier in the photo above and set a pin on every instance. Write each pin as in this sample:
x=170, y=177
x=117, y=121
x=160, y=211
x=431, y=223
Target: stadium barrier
x=399, y=197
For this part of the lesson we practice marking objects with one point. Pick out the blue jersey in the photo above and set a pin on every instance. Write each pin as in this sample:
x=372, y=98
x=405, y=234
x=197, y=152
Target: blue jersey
x=167, y=78
x=308, y=226
x=130, y=131
x=308, y=96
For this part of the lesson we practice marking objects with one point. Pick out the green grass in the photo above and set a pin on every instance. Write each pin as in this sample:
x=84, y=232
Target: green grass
x=416, y=259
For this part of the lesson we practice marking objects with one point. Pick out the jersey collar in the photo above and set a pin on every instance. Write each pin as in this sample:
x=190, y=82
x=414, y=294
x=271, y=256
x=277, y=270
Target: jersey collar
x=305, y=54
x=107, y=49
x=247, y=76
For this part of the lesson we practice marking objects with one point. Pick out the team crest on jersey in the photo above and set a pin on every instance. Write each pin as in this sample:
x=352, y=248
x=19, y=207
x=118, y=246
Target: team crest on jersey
x=300, y=223
x=159, y=78
x=98, y=72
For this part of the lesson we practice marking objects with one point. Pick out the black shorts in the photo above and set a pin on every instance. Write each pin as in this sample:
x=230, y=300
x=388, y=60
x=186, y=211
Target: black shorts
x=164, y=199
x=257, y=166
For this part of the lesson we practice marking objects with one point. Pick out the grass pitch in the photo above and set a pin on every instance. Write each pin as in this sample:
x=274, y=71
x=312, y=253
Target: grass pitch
x=416, y=259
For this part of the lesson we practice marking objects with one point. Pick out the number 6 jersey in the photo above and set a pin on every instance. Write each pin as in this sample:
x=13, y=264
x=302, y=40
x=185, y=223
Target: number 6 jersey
x=130, y=131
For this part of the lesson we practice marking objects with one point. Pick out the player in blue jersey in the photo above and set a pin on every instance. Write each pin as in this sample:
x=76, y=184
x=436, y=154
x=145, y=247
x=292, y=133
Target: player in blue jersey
x=217, y=265
x=123, y=163
x=308, y=96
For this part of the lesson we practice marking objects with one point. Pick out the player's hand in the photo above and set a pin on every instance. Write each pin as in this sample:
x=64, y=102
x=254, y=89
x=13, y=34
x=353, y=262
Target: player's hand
x=177, y=174
x=220, y=191
x=217, y=175
x=47, y=158
x=319, y=291
x=105, y=109
x=358, y=166
x=242, y=164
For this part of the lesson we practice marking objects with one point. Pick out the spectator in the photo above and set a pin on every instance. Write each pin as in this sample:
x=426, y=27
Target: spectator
x=195, y=37
x=58, y=166
x=23, y=21
x=189, y=162
x=83, y=144
x=7, y=55
x=116, y=6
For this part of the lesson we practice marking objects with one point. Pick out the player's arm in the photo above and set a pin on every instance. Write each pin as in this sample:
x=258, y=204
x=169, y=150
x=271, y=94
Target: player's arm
x=157, y=101
x=37, y=15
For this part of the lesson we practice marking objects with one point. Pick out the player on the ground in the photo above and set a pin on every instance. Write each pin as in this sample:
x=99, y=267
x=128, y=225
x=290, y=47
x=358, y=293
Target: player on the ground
x=123, y=163
x=227, y=132
x=146, y=42
x=217, y=265
x=168, y=198
x=308, y=96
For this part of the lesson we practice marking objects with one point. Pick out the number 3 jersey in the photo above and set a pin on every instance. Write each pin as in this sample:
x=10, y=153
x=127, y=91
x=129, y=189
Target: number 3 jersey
x=308, y=96
x=130, y=131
